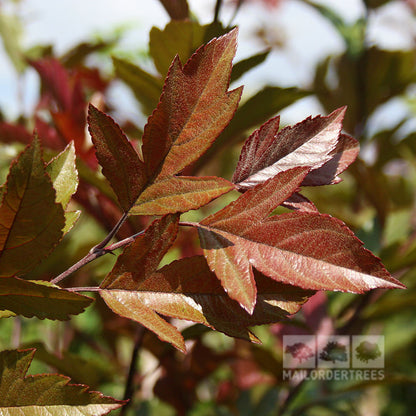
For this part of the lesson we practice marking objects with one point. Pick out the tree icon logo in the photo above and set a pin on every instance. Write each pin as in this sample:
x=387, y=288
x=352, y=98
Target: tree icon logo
x=300, y=351
x=367, y=351
x=334, y=351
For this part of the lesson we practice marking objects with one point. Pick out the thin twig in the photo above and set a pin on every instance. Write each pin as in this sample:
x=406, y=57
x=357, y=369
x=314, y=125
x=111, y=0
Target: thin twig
x=218, y=5
x=94, y=254
x=188, y=224
x=110, y=235
x=130, y=387
x=84, y=289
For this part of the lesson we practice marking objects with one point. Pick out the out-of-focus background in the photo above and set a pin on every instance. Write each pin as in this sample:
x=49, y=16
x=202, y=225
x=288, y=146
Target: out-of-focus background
x=310, y=57
x=298, y=35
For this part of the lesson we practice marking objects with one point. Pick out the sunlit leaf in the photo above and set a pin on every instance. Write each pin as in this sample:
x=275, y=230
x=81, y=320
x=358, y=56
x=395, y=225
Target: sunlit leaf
x=344, y=154
x=311, y=143
x=194, y=108
x=11, y=31
x=85, y=370
x=40, y=299
x=305, y=249
x=31, y=222
x=45, y=393
x=180, y=194
x=187, y=289
x=64, y=175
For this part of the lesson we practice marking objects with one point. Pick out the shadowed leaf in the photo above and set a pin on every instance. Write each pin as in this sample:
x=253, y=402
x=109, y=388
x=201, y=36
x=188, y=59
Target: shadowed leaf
x=177, y=9
x=142, y=258
x=31, y=222
x=120, y=161
x=241, y=67
x=187, y=289
x=177, y=38
x=144, y=86
x=149, y=250
x=39, y=298
x=45, y=393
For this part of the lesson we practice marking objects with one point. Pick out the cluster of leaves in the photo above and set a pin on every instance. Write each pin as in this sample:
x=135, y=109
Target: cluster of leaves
x=256, y=263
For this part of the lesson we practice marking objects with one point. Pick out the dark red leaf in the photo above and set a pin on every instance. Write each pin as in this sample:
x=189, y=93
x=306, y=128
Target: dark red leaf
x=120, y=161
x=267, y=152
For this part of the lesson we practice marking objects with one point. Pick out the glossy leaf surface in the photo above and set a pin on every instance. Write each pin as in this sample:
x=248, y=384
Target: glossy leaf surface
x=268, y=152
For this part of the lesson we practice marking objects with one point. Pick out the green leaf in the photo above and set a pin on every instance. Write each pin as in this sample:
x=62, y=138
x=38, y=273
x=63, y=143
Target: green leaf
x=144, y=86
x=40, y=299
x=11, y=33
x=365, y=82
x=241, y=67
x=64, y=176
x=177, y=38
x=353, y=34
x=179, y=194
x=45, y=393
x=92, y=371
x=31, y=222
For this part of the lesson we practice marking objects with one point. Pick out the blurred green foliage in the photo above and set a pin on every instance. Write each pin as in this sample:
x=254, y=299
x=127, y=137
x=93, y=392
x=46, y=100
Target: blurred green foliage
x=376, y=199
